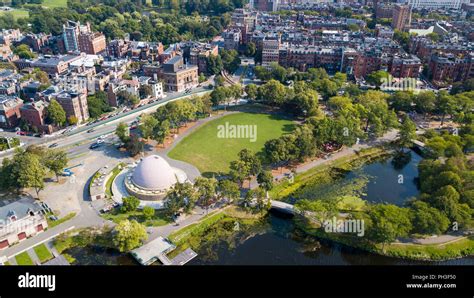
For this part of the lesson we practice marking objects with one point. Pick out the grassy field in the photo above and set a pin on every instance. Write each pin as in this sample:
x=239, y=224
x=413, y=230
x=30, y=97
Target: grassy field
x=17, y=13
x=24, y=259
x=159, y=219
x=43, y=253
x=211, y=154
x=54, y=3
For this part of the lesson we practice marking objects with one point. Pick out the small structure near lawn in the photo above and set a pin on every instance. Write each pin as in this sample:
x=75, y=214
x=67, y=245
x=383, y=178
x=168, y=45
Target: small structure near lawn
x=158, y=249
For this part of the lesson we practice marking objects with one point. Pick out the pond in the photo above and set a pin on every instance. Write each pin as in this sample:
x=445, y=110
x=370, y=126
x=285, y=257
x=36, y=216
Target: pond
x=390, y=179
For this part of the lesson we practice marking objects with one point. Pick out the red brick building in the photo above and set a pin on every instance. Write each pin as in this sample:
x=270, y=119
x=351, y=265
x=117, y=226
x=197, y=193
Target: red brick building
x=10, y=111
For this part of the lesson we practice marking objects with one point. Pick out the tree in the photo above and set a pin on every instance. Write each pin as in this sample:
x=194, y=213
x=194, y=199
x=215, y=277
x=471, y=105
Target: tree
x=425, y=102
x=252, y=91
x=24, y=52
x=407, y=133
x=254, y=164
x=72, y=120
x=214, y=64
x=306, y=103
x=272, y=92
x=98, y=104
x=265, y=180
x=56, y=161
x=445, y=104
x=428, y=220
x=122, y=132
x=148, y=212
x=180, y=196
x=31, y=172
x=134, y=145
x=377, y=78
x=147, y=125
x=250, y=49
x=129, y=235
x=56, y=113
x=145, y=91
x=228, y=189
x=388, y=222
x=402, y=101
x=161, y=131
x=206, y=190
x=129, y=204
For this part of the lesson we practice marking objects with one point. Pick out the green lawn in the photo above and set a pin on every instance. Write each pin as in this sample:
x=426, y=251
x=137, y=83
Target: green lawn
x=211, y=154
x=54, y=3
x=17, y=13
x=43, y=253
x=24, y=259
x=160, y=219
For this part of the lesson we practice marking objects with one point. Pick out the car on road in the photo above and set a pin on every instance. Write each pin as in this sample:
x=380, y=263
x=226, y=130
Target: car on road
x=94, y=146
x=53, y=145
x=1, y=130
x=53, y=217
x=90, y=130
x=134, y=126
x=21, y=133
x=99, y=141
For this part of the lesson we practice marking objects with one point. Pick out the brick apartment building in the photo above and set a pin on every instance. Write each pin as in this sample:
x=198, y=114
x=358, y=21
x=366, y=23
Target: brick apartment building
x=10, y=111
x=74, y=104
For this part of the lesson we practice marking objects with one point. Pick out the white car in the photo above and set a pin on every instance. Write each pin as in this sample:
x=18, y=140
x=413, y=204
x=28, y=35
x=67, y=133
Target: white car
x=100, y=141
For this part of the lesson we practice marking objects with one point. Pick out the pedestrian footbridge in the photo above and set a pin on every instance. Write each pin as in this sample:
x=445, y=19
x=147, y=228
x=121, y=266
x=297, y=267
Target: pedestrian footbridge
x=283, y=207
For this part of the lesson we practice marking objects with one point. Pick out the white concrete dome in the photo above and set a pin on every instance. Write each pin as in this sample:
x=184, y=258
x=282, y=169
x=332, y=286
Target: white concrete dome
x=154, y=173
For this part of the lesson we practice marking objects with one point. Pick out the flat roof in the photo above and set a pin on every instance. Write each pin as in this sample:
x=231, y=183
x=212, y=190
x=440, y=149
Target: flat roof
x=150, y=251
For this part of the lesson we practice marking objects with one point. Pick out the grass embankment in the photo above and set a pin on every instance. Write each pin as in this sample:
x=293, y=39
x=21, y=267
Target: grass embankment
x=212, y=154
x=322, y=173
x=108, y=185
x=159, y=219
x=43, y=253
x=429, y=252
x=24, y=259
x=53, y=223
x=218, y=226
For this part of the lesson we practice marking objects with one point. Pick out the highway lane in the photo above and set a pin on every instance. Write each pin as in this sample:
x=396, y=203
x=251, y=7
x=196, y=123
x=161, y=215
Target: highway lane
x=78, y=139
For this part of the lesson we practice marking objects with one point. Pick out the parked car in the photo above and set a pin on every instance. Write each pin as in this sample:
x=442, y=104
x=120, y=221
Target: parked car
x=21, y=133
x=94, y=146
x=53, y=217
x=53, y=145
x=90, y=130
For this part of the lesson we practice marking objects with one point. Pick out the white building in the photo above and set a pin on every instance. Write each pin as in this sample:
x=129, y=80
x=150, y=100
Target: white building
x=437, y=4
x=19, y=221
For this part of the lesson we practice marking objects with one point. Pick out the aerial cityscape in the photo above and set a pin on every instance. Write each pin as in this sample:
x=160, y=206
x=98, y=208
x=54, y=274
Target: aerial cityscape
x=233, y=132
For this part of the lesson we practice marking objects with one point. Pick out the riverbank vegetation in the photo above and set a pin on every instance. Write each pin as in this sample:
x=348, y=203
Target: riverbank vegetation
x=223, y=225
